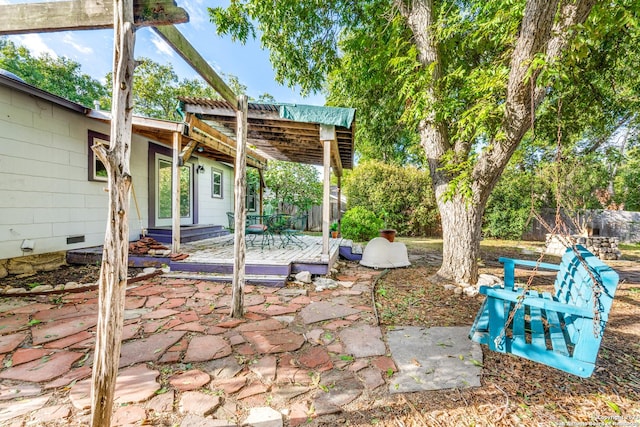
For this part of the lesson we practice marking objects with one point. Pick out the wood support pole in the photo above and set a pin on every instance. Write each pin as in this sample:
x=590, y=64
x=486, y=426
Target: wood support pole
x=327, y=135
x=113, y=273
x=239, y=249
x=175, y=193
x=339, y=204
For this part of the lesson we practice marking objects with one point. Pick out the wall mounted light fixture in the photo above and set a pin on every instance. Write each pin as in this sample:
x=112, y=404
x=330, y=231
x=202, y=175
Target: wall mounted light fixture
x=200, y=169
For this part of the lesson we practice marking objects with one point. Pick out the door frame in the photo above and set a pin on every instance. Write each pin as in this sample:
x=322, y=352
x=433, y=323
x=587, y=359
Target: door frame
x=155, y=149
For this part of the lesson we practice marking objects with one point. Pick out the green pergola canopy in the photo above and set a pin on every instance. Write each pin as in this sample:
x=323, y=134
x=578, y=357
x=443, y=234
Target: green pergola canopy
x=336, y=116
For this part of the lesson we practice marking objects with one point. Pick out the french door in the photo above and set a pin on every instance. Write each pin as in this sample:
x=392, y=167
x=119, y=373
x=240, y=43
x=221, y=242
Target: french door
x=163, y=166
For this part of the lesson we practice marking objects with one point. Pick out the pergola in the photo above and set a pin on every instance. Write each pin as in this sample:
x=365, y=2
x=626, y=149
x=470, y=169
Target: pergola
x=314, y=135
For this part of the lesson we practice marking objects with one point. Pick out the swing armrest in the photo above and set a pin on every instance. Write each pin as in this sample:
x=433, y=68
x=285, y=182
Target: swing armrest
x=510, y=266
x=536, y=301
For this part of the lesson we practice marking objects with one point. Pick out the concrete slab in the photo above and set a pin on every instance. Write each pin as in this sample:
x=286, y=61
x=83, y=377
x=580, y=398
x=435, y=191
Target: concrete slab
x=433, y=358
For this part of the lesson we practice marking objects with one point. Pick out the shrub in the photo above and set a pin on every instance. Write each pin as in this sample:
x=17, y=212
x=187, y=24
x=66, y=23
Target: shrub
x=360, y=224
x=402, y=195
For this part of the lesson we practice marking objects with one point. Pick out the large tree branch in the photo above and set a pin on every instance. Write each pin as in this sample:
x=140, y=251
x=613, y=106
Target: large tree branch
x=434, y=136
x=545, y=30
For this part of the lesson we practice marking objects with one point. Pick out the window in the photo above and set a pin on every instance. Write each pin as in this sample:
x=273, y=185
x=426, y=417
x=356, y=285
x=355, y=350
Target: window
x=97, y=170
x=252, y=199
x=216, y=183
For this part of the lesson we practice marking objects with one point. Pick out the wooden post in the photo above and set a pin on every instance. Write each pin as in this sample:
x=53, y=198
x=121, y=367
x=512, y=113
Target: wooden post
x=237, y=299
x=327, y=135
x=175, y=194
x=339, y=204
x=113, y=273
x=261, y=193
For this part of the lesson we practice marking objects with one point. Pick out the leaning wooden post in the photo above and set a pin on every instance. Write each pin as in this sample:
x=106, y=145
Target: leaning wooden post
x=237, y=300
x=175, y=193
x=113, y=274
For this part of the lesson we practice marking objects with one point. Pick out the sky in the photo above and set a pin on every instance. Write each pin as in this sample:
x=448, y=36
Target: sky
x=93, y=49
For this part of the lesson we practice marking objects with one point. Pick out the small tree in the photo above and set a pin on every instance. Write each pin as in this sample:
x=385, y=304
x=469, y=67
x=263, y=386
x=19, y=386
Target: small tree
x=292, y=184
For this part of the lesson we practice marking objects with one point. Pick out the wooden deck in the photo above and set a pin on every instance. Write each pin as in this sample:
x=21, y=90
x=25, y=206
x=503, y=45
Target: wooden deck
x=212, y=259
x=218, y=252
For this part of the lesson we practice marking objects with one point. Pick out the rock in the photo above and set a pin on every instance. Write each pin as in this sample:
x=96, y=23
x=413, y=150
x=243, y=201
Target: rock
x=193, y=420
x=34, y=263
x=322, y=283
x=458, y=290
x=42, y=288
x=15, y=291
x=149, y=270
x=304, y=277
x=471, y=291
x=195, y=402
x=190, y=380
x=488, y=280
x=450, y=287
x=264, y=417
x=3, y=271
x=72, y=285
x=345, y=284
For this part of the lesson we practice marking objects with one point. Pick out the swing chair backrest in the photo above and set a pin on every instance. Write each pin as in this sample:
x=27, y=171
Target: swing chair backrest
x=585, y=281
x=564, y=329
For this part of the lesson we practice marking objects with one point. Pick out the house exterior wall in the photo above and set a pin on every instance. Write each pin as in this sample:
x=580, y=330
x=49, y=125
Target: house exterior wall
x=45, y=194
x=213, y=210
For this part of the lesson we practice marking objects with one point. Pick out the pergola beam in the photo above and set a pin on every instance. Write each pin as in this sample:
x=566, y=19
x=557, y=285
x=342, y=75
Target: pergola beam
x=216, y=140
x=180, y=44
x=74, y=15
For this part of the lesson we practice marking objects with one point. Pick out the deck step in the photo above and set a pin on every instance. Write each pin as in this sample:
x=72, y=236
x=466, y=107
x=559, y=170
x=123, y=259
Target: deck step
x=350, y=251
x=188, y=233
x=251, y=279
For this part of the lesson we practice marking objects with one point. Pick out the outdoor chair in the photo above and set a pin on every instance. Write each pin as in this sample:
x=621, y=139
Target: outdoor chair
x=253, y=230
x=292, y=232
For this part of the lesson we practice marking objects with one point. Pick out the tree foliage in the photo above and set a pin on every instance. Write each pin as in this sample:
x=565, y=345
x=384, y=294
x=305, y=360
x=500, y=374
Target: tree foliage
x=60, y=76
x=401, y=196
x=292, y=184
x=156, y=88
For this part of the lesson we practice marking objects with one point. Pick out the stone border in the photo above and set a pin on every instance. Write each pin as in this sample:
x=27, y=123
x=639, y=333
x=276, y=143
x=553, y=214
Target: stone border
x=71, y=287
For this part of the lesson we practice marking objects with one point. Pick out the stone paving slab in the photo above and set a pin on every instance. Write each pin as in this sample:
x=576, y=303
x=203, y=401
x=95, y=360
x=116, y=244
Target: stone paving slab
x=207, y=347
x=434, y=358
x=54, y=331
x=9, y=343
x=134, y=384
x=363, y=341
x=14, y=323
x=148, y=349
x=44, y=369
x=325, y=310
x=15, y=409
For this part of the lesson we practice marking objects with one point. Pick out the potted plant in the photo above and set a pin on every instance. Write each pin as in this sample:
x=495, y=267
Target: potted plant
x=334, y=229
x=386, y=232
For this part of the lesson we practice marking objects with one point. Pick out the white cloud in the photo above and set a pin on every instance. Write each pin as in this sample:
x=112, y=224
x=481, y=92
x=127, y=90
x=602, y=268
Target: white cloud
x=197, y=11
x=161, y=46
x=68, y=39
x=35, y=44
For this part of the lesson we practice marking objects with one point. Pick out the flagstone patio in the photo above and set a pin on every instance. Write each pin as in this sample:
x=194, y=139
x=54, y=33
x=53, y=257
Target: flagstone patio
x=185, y=362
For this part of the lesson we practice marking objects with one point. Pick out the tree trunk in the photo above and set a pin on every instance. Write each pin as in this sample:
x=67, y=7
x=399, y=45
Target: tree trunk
x=545, y=28
x=113, y=274
x=461, y=231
